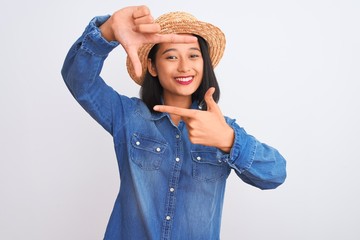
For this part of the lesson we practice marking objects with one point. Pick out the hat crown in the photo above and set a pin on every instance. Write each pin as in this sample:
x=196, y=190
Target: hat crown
x=177, y=16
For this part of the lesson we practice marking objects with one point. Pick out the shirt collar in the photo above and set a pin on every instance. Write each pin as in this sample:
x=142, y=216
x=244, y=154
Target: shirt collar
x=145, y=113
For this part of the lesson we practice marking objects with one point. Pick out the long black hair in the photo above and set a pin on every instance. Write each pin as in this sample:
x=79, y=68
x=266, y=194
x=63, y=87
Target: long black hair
x=151, y=90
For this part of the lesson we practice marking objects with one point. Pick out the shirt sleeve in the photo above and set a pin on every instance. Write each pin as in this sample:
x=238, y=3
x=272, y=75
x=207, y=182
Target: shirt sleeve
x=256, y=163
x=81, y=73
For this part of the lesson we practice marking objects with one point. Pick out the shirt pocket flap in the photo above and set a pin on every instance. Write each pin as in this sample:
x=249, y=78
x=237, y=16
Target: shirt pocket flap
x=208, y=166
x=206, y=157
x=148, y=144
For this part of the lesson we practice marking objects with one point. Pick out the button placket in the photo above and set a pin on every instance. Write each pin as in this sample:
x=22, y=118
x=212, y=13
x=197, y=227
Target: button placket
x=173, y=183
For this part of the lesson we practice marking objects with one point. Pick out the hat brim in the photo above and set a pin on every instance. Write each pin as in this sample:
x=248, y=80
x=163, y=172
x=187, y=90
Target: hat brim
x=212, y=35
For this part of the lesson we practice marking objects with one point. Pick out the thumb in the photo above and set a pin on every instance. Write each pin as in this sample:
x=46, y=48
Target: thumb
x=135, y=61
x=210, y=102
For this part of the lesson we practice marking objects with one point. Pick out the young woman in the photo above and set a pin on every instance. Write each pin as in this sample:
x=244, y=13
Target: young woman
x=174, y=147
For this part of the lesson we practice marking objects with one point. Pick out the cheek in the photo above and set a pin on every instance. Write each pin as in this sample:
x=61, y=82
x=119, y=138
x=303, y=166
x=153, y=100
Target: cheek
x=200, y=68
x=165, y=70
x=164, y=78
x=199, y=65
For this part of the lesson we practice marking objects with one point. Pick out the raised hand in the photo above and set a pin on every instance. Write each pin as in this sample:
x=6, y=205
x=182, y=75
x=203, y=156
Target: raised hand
x=134, y=26
x=205, y=127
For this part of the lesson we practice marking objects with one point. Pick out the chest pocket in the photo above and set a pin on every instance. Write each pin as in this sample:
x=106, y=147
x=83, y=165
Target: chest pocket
x=208, y=166
x=146, y=152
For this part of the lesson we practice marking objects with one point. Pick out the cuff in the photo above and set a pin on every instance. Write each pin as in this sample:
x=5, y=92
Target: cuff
x=243, y=150
x=93, y=41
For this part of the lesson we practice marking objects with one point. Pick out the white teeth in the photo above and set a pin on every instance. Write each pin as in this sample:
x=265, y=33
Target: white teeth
x=186, y=79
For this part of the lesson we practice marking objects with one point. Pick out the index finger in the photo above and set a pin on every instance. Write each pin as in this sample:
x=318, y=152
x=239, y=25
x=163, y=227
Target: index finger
x=175, y=38
x=182, y=112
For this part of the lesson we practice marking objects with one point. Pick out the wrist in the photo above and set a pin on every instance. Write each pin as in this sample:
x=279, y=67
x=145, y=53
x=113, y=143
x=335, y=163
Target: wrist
x=106, y=31
x=227, y=140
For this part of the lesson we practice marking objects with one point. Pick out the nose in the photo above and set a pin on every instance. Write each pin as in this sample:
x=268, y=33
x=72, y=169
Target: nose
x=184, y=65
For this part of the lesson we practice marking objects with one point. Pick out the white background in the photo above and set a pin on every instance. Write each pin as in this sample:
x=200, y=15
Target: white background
x=290, y=76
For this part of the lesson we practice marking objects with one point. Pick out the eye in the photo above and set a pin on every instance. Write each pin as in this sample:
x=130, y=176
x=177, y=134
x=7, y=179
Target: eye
x=194, y=55
x=171, y=57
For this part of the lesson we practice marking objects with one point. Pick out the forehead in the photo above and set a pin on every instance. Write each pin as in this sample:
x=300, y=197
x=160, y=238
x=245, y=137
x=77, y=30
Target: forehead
x=178, y=46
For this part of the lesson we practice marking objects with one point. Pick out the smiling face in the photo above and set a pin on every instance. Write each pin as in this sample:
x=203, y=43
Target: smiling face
x=179, y=68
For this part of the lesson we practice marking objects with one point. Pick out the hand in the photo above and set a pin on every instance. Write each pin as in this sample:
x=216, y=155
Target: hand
x=205, y=127
x=134, y=26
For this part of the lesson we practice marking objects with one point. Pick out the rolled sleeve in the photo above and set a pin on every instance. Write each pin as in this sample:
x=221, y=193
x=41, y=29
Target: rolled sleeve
x=256, y=163
x=93, y=42
x=81, y=73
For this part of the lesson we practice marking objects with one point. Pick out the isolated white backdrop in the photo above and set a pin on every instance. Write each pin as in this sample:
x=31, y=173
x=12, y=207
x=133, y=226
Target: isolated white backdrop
x=290, y=76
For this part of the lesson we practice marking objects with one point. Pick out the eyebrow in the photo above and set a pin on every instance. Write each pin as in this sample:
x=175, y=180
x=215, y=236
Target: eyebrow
x=174, y=49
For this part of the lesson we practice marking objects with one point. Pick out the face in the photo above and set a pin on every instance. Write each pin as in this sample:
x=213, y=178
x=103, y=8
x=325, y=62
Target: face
x=179, y=68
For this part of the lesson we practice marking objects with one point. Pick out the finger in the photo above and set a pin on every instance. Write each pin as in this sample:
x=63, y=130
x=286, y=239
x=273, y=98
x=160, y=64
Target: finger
x=210, y=103
x=141, y=15
x=141, y=11
x=182, y=112
x=175, y=38
x=134, y=58
x=148, y=28
x=147, y=19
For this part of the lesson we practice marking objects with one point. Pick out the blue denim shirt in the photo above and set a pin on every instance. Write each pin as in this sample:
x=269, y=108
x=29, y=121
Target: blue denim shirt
x=170, y=188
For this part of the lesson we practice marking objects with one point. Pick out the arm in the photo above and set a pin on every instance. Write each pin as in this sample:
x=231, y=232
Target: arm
x=81, y=73
x=131, y=27
x=254, y=162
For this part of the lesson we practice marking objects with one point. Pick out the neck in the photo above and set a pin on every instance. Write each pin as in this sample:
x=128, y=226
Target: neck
x=177, y=101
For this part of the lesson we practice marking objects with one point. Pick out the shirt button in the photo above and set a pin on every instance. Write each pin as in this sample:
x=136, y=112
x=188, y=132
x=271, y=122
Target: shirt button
x=137, y=143
x=177, y=136
x=172, y=189
x=177, y=159
x=168, y=218
x=158, y=149
x=198, y=158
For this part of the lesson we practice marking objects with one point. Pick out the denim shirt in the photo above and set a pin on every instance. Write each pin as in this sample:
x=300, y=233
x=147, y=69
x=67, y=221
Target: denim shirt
x=170, y=188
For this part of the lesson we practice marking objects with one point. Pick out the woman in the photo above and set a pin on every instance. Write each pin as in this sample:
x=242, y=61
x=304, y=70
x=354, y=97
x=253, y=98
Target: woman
x=174, y=147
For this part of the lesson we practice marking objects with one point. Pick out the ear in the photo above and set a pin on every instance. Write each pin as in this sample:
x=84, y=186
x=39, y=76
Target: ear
x=151, y=68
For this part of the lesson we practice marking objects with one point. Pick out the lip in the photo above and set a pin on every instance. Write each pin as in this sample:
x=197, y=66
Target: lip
x=184, y=80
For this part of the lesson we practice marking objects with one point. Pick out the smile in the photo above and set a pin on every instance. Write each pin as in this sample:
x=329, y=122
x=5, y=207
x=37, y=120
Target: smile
x=184, y=80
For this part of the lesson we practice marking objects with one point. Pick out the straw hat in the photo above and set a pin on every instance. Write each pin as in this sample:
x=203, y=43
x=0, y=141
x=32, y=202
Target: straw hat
x=182, y=22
